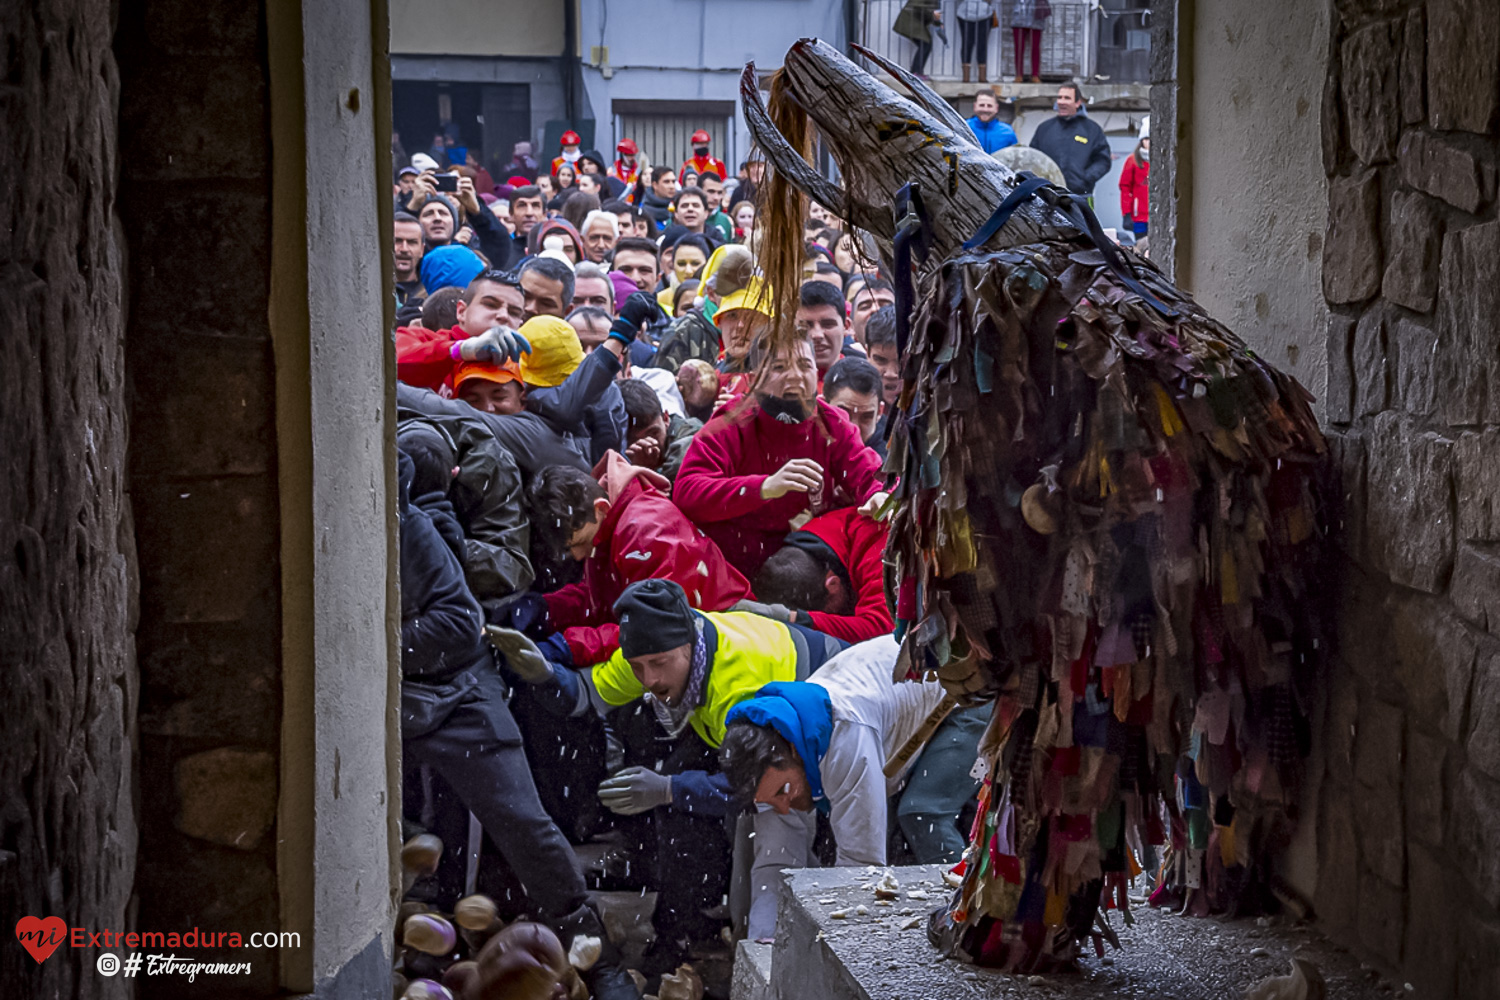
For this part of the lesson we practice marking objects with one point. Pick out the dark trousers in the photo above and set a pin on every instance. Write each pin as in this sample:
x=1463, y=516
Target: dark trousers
x=974, y=39
x=1020, y=36
x=919, y=58
x=492, y=778
x=692, y=853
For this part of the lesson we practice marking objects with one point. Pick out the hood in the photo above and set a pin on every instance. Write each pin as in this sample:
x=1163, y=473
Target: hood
x=539, y=233
x=615, y=474
x=803, y=714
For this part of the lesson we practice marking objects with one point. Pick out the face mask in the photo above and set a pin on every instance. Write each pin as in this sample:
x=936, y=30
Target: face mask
x=788, y=411
x=1146, y=155
x=701, y=151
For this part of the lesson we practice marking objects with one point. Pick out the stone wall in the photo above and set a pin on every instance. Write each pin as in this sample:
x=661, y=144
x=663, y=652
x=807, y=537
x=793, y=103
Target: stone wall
x=67, y=558
x=195, y=196
x=1409, y=825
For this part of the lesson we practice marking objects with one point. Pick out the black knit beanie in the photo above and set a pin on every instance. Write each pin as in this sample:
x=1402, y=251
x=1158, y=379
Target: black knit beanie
x=654, y=617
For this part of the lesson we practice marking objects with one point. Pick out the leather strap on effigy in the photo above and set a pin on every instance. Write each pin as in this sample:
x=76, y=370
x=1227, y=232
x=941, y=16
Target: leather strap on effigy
x=1077, y=210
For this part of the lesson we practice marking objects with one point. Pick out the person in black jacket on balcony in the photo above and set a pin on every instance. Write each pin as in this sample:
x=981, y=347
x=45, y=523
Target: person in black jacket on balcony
x=1076, y=144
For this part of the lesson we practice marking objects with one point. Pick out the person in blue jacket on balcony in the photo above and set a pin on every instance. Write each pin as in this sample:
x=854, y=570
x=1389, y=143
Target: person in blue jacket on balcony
x=992, y=133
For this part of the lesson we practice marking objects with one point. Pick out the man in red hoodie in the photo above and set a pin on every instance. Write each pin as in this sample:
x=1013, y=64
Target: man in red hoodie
x=766, y=464
x=829, y=576
x=622, y=526
x=424, y=358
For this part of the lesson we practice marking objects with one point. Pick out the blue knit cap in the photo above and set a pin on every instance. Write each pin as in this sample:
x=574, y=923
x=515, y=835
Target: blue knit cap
x=450, y=265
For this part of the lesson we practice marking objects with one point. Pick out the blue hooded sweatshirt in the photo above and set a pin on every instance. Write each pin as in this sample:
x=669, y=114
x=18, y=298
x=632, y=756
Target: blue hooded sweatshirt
x=993, y=135
x=803, y=714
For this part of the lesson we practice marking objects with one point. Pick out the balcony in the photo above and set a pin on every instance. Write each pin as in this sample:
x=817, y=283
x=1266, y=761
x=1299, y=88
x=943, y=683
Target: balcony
x=1104, y=45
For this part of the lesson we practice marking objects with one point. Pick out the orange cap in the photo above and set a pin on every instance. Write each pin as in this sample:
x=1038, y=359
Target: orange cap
x=499, y=374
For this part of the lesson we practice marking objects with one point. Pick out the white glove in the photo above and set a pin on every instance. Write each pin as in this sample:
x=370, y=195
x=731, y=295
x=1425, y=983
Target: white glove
x=496, y=347
x=635, y=790
x=521, y=654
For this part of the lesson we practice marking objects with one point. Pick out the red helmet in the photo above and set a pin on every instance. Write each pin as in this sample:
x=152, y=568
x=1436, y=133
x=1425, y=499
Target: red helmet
x=627, y=147
x=700, y=138
x=571, y=138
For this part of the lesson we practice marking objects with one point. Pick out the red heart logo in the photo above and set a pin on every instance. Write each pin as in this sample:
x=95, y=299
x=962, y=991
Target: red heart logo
x=41, y=937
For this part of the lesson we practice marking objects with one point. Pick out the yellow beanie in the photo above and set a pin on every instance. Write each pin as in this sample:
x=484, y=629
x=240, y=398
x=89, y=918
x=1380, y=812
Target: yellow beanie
x=555, y=351
x=755, y=296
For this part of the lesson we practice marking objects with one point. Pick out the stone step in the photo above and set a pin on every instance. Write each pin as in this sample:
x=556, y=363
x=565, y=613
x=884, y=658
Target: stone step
x=876, y=955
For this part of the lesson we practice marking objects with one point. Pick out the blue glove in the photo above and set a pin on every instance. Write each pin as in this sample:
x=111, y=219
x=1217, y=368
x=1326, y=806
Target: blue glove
x=526, y=613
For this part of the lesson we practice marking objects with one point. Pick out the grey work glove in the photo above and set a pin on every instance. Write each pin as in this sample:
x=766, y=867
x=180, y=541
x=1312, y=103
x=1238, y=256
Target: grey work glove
x=521, y=654
x=635, y=790
x=780, y=612
x=499, y=345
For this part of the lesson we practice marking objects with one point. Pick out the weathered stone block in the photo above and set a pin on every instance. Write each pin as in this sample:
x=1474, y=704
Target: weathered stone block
x=1432, y=654
x=1447, y=167
x=1415, y=366
x=220, y=133
x=1463, y=68
x=1478, y=486
x=1370, y=83
x=214, y=683
x=226, y=796
x=1349, y=505
x=191, y=27
x=1382, y=916
x=1377, y=823
x=1484, y=736
x=1416, y=234
x=1351, y=252
x=1333, y=134
x=1410, y=527
x=1431, y=950
x=1476, y=585
x=1337, y=895
x=1422, y=787
x=1341, y=722
x=1377, y=745
x=1475, y=833
x=204, y=406
x=1372, y=377
x=183, y=230
x=1479, y=943
x=1339, y=401
x=213, y=545
x=1468, y=303
x=1414, y=68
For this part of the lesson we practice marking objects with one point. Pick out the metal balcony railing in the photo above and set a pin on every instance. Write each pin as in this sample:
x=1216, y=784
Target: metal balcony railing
x=1068, y=43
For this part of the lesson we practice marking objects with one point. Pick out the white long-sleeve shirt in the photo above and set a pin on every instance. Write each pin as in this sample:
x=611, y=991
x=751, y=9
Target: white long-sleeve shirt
x=873, y=717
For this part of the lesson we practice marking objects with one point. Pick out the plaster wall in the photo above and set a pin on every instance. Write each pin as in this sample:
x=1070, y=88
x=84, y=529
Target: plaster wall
x=692, y=50
x=478, y=27
x=337, y=488
x=1253, y=244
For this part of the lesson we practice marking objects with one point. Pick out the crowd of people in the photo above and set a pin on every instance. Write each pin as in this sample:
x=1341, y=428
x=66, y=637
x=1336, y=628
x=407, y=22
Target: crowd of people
x=643, y=588
x=642, y=582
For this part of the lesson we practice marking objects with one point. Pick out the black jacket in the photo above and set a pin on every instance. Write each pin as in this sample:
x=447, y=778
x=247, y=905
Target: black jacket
x=490, y=506
x=494, y=239
x=1077, y=145
x=587, y=408
x=442, y=629
x=530, y=440
x=657, y=207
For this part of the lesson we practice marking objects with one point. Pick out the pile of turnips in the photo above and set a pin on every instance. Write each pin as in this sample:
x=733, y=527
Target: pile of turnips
x=471, y=954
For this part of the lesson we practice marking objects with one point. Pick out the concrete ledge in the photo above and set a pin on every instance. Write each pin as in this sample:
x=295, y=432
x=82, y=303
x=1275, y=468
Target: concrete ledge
x=752, y=972
x=873, y=956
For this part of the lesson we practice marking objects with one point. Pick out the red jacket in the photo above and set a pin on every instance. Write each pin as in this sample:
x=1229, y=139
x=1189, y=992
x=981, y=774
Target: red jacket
x=642, y=537
x=699, y=164
x=858, y=542
x=719, y=483
x=1134, y=191
x=423, y=358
